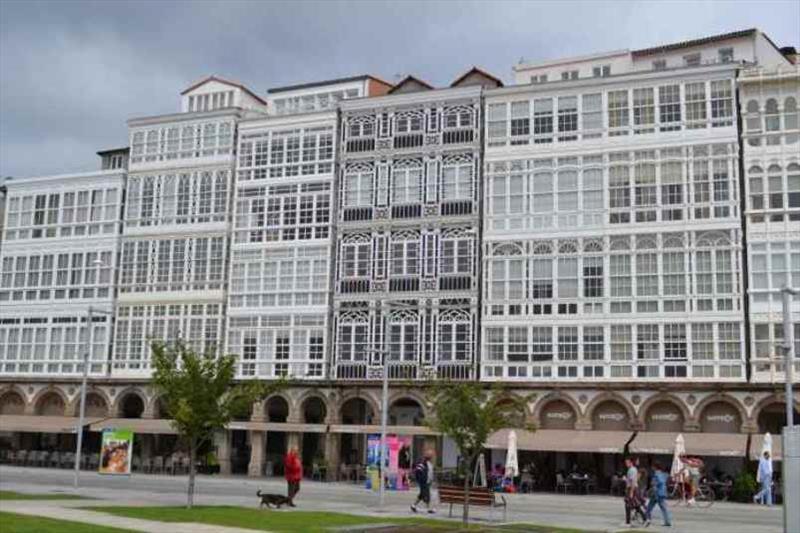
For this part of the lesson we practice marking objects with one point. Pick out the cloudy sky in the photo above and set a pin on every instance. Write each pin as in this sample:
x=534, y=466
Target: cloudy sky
x=72, y=73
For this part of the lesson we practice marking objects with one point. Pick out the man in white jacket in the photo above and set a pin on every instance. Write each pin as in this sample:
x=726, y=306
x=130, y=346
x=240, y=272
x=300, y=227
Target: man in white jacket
x=764, y=477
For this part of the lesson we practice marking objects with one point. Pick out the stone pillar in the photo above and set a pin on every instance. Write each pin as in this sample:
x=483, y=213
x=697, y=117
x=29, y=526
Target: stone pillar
x=145, y=446
x=258, y=444
x=583, y=423
x=332, y=443
x=295, y=440
x=222, y=441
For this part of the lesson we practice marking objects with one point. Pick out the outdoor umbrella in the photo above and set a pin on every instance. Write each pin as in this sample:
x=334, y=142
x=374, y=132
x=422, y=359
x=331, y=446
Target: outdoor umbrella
x=680, y=450
x=766, y=446
x=512, y=466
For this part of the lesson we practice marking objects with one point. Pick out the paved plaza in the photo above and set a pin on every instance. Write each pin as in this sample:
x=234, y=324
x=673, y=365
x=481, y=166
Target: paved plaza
x=601, y=513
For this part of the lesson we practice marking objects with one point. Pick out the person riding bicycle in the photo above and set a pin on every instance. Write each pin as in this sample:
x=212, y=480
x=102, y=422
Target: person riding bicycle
x=689, y=476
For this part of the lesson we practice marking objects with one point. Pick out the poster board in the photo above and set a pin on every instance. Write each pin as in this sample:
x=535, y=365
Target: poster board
x=398, y=461
x=116, y=452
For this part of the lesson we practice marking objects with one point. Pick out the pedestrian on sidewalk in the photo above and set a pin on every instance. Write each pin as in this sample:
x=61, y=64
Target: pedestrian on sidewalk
x=293, y=472
x=764, y=477
x=423, y=474
x=659, y=496
x=633, y=502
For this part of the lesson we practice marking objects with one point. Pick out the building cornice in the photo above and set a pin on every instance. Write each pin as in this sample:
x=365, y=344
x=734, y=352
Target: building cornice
x=433, y=95
x=581, y=84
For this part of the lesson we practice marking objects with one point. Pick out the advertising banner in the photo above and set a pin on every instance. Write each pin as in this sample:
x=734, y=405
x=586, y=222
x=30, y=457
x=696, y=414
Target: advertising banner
x=116, y=451
x=398, y=461
x=373, y=461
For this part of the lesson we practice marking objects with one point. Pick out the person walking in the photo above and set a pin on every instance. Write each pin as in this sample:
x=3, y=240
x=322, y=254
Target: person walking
x=764, y=477
x=633, y=502
x=293, y=472
x=423, y=474
x=659, y=496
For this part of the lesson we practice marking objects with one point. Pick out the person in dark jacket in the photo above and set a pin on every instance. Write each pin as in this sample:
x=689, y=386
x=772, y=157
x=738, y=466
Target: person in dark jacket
x=293, y=472
x=423, y=474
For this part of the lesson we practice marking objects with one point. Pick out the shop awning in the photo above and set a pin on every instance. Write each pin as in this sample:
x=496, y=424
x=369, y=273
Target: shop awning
x=42, y=424
x=757, y=442
x=564, y=440
x=390, y=430
x=285, y=427
x=703, y=444
x=156, y=426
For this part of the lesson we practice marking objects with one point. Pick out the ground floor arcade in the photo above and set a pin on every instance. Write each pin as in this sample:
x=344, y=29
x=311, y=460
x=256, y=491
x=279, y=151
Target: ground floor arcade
x=588, y=428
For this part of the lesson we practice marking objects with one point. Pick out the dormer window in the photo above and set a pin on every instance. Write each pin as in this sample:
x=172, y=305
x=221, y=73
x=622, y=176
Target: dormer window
x=660, y=64
x=691, y=60
x=725, y=55
x=602, y=71
x=569, y=75
x=541, y=78
x=210, y=101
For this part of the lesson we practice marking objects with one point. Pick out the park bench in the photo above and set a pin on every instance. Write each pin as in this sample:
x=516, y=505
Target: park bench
x=478, y=497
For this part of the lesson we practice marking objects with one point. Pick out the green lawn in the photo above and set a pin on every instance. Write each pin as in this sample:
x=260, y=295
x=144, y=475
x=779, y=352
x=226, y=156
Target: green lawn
x=17, y=523
x=304, y=521
x=9, y=495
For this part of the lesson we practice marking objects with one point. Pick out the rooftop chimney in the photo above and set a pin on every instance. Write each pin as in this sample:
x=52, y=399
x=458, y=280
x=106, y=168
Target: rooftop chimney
x=790, y=53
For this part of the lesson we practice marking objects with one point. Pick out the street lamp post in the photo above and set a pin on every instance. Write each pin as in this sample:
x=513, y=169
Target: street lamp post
x=384, y=418
x=86, y=357
x=791, y=437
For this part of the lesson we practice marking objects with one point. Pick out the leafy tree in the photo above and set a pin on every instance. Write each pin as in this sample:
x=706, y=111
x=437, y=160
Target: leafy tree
x=200, y=395
x=469, y=413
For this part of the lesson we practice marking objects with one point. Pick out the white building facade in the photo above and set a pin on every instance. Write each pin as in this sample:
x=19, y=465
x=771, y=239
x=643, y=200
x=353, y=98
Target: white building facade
x=173, y=264
x=612, y=239
x=59, y=257
x=281, y=252
x=771, y=141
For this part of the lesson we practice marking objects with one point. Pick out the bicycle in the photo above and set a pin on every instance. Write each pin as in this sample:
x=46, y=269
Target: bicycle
x=703, y=499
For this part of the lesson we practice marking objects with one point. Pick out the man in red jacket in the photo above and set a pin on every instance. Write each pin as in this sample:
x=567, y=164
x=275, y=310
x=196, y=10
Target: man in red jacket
x=293, y=471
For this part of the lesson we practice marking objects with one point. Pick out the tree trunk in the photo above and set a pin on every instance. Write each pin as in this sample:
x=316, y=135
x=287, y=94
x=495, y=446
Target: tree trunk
x=190, y=495
x=466, y=491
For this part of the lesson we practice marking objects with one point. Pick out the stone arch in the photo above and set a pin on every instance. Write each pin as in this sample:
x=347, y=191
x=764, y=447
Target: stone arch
x=763, y=407
x=712, y=399
x=406, y=410
x=131, y=403
x=605, y=398
x=370, y=408
x=12, y=402
x=411, y=395
x=525, y=414
x=277, y=408
x=659, y=399
x=158, y=406
x=97, y=405
x=313, y=408
x=50, y=401
x=561, y=423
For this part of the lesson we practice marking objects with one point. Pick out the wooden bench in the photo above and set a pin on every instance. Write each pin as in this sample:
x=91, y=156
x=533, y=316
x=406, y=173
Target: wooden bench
x=478, y=497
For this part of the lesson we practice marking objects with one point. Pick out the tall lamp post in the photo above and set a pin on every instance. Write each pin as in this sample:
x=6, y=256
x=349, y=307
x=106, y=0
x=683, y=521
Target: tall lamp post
x=385, y=402
x=791, y=437
x=86, y=358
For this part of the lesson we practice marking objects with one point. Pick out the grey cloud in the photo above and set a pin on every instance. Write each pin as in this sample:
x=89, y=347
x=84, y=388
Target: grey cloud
x=72, y=73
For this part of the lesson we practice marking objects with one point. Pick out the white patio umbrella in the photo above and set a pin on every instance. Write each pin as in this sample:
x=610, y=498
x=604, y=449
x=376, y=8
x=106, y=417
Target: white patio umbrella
x=680, y=449
x=512, y=466
x=766, y=445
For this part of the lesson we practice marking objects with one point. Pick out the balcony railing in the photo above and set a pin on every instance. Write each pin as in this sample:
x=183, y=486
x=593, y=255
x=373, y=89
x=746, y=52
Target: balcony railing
x=460, y=371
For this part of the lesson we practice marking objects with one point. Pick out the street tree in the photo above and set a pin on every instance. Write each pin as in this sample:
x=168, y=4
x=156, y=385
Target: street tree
x=200, y=395
x=469, y=413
